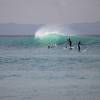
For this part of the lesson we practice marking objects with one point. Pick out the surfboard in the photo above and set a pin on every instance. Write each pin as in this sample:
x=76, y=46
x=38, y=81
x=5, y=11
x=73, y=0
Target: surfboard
x=69, y=47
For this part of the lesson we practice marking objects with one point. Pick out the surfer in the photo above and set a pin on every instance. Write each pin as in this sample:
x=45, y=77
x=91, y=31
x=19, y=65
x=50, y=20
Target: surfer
x=70, y=43
x=52, y=46
x=79, y=43
x=49, y=47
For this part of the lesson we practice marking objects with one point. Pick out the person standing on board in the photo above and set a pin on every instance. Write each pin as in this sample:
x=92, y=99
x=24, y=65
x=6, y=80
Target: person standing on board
x=79, y=43
x=70, y=43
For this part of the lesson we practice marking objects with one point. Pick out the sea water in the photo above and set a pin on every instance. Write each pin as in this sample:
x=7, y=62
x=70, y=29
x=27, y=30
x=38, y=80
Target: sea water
x=30, y=71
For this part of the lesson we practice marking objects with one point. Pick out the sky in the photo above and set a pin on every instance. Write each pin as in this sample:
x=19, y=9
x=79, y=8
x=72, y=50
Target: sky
x=49, y=11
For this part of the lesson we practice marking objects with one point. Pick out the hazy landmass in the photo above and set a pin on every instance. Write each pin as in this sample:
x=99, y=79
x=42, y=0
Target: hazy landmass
x=30, y=29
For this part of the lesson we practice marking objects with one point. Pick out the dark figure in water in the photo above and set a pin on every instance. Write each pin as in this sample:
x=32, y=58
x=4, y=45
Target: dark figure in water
x=79, y=43
x=70, y=43
x=49, y=47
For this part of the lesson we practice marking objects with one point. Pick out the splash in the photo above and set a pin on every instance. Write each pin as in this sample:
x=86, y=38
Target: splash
x=51, y=34
x=49, y=30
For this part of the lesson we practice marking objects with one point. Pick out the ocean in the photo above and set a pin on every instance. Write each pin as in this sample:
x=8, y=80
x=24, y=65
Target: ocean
x=31, y=71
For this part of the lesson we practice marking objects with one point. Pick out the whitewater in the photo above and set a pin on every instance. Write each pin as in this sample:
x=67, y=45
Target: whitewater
x=31, y=71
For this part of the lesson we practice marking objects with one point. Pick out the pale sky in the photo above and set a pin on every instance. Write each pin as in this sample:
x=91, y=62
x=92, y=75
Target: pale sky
x=49, y=11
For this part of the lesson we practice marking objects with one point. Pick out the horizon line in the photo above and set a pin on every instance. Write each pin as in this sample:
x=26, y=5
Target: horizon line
x=10, y=35
x=47, y=23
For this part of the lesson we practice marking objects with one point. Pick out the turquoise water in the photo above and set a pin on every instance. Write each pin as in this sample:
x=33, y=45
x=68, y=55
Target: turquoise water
x=31, y=71
x=32, y=41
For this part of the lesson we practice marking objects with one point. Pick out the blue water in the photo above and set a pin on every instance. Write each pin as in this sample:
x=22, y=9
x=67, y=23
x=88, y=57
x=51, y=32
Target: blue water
x=30, y=71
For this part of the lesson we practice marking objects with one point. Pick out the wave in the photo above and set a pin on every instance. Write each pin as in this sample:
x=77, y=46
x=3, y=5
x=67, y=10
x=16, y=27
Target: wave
x=54, y=39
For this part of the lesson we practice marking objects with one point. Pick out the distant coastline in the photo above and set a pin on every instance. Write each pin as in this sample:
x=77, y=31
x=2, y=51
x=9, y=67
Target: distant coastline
x=17, y=35
x=33, y=35
x=14, y=29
